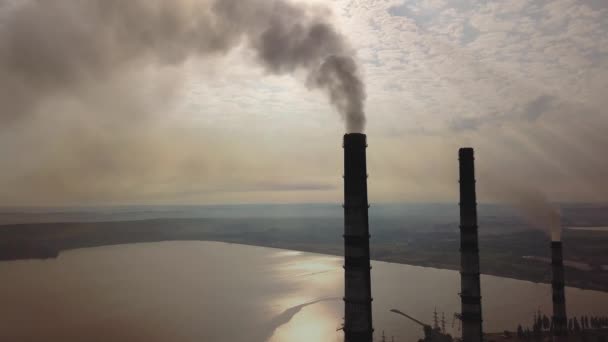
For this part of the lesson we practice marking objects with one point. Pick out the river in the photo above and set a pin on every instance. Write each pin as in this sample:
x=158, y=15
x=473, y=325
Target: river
x=216, y=292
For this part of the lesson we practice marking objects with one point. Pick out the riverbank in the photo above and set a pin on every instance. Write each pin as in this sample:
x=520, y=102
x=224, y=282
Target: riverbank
x=501, y=254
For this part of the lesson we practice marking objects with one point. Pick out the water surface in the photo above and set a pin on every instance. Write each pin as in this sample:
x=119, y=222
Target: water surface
x=208, y=291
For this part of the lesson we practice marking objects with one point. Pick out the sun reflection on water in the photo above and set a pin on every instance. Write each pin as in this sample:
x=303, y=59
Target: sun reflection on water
x=309, y=266
x=282, y=254
x=313, y=306
x=317, y=322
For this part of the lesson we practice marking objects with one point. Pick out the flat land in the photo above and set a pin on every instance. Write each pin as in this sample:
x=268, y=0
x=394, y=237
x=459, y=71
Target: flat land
x=429, y=238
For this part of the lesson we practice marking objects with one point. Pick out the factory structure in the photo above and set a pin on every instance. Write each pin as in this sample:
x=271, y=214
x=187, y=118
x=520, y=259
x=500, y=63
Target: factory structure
x=358, y=324
x=357, y=281
x=559, y=318
x=470, y=295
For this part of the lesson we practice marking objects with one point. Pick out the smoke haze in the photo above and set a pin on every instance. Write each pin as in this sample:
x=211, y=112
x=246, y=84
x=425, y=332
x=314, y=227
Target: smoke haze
x=92, y=93
x=532, y=165
x=52, y=47
x=533, y=206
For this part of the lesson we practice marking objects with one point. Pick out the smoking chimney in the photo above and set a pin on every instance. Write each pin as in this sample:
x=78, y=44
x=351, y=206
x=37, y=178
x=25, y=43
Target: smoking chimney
x=357, y=282
x=469, y=252
x=560, y=320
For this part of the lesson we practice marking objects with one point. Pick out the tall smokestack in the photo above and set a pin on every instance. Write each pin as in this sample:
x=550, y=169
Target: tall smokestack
x=560, y=320
x=357, y=282
x=469, y=252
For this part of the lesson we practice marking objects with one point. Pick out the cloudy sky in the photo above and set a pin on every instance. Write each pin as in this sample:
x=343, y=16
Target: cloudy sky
x=525, y=82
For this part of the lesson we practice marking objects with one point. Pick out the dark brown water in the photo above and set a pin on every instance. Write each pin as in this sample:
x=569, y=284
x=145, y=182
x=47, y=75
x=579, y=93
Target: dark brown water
x=206, y=291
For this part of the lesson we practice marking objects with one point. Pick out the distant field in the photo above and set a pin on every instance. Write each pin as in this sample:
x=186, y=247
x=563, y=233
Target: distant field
x=424, y=235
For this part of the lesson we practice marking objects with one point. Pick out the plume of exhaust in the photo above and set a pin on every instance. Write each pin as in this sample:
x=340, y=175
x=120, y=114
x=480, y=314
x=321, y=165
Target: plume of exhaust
x=51, y=47
x=539, y=212
x=531, y=203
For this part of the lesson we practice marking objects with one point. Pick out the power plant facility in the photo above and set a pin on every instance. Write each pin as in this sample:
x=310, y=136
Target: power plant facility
x=470, y=295
x=560, y=319
x=358, y=325
x=357, y=281
x=171, y=170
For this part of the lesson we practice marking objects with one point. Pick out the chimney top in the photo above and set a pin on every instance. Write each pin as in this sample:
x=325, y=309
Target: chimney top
x=353, y=135
x=465, y=152
x=355, y=139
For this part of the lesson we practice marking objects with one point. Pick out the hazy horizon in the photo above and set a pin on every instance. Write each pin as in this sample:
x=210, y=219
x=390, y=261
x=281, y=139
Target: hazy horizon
x=279, y=204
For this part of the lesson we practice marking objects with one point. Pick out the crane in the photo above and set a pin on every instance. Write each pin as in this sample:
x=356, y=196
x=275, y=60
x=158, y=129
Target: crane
x=410, y=317
x=430, y=334
x=458, y=317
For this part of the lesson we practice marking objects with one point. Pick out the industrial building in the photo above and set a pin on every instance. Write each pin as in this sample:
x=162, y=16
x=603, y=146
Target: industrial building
x=358, y=323
x=358, y=326
x=357, y=282
x=470, y=295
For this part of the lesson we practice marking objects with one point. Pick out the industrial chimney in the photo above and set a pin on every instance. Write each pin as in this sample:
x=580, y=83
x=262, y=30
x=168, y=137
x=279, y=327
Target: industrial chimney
x=469, y=252
x=560, y=320
x=357, y=282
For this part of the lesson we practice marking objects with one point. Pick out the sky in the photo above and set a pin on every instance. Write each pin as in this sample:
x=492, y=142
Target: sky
x=521, y=81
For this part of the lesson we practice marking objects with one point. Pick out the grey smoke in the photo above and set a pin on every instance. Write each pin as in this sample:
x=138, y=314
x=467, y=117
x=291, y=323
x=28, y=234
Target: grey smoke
x=547, y=154
x=538, y=211
x=52, y=47
x=338, y=74
x=531, y=203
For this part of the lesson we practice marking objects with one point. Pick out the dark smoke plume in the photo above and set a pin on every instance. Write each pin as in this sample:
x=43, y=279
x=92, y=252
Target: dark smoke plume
x=53, y=47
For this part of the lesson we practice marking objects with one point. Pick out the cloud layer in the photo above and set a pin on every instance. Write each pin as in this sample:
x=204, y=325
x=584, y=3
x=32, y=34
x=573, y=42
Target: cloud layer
x=521, y=81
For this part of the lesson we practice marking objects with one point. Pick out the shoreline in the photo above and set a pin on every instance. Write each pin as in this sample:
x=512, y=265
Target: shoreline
x=46, y=253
